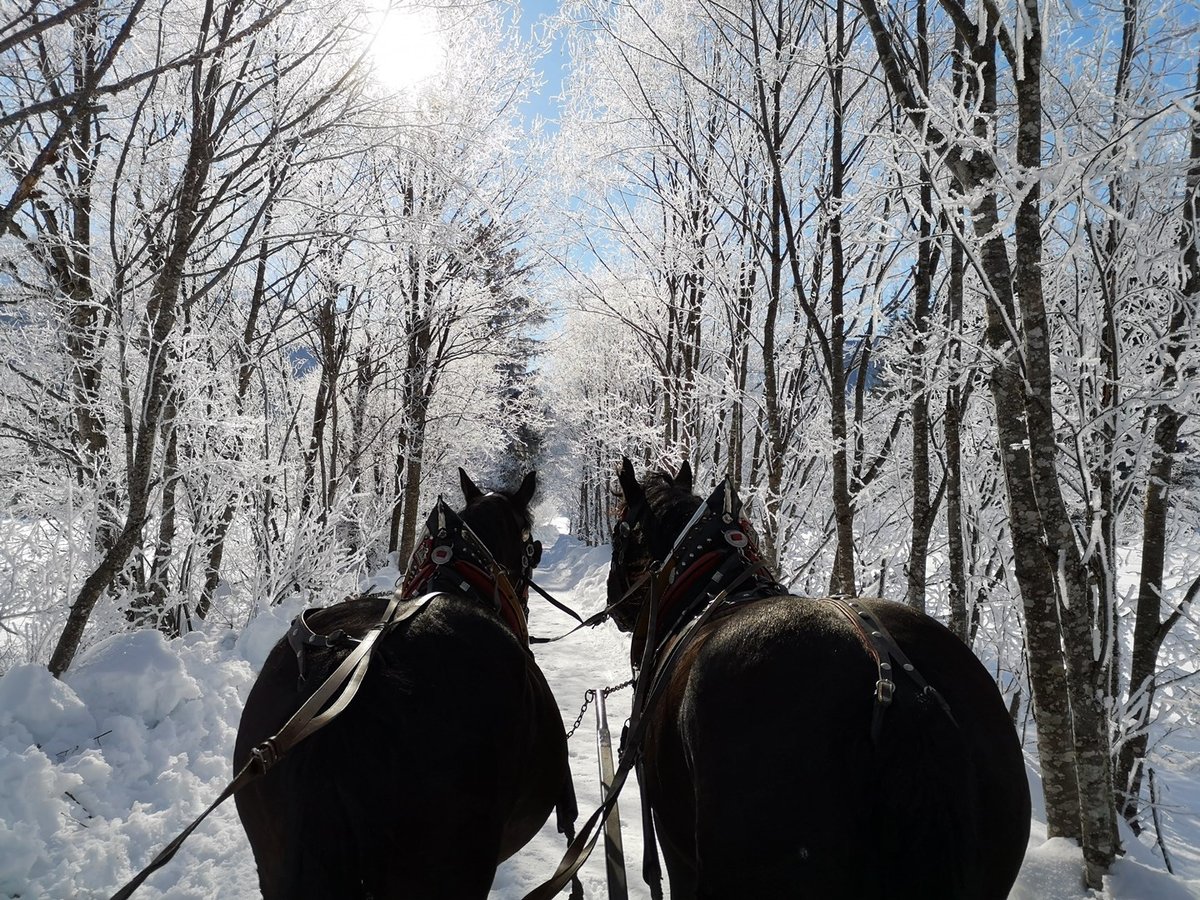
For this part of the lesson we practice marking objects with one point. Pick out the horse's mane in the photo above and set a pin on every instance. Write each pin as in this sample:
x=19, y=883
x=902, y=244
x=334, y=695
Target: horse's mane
x=672, y=505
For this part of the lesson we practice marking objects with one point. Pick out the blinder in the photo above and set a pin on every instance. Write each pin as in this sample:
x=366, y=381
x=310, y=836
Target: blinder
x=628, y=525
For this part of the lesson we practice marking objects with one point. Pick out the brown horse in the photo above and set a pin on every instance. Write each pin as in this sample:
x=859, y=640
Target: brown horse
x=452, y=754
x=799, y=747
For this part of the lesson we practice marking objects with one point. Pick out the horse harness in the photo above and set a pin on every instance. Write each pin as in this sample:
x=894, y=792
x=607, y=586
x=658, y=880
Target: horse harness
x=882, y=648
x=716, y=542
x=314, y=714
x=649, y=680
x=448, y=558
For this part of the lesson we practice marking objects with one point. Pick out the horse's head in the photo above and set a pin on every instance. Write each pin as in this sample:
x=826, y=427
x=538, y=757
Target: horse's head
x=501, y=520
x=651, y=516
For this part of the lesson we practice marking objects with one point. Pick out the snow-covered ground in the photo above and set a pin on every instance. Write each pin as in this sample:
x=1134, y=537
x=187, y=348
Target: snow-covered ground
x=99, y=771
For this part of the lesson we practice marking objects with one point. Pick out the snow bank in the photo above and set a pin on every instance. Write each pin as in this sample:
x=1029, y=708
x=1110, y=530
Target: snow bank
x=100, y=770
x=36, y=708
x=137, y=675
x=1053, y=870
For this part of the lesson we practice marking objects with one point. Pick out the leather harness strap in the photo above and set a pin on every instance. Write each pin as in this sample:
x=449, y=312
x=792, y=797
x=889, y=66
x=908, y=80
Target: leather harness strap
x=655, y=657
x=450, y=553
x=429, y=565
x=596, y=618
x=556, y=603
x=301, y=637
x=882, y=647
x=647, y=691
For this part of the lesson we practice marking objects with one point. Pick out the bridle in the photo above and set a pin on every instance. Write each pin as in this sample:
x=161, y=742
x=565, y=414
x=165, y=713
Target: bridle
x=596, y=618
x=628, y=524
x=450, y=556
x=713, y=554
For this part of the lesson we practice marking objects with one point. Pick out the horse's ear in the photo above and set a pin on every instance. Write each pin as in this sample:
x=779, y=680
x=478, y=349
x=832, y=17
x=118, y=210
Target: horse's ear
x=470, y=491
x=627, y=478
x=684, y=478
x=525, y=492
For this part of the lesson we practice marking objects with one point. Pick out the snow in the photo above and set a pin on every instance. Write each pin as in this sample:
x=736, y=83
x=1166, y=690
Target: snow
x=99, y=771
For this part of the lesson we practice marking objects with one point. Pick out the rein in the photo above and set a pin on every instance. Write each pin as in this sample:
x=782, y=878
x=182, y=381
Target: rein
x=690, y=559
x=650, y=682
x=647, y=692
x=557, y=604
x=591, y=621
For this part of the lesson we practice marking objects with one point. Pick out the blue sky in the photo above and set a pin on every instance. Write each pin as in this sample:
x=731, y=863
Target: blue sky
x=554, y=64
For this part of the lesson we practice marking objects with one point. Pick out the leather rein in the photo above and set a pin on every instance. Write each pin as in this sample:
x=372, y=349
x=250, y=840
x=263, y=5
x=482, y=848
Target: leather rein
x=308, y=719
x=650, y=681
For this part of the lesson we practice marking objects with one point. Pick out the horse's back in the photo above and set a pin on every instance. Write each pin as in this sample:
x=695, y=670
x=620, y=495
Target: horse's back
x=424, y=780
x=790, y=792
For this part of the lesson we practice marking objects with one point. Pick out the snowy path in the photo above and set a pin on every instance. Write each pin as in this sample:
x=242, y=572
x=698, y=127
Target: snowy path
x=98, y=772
x=590, y=658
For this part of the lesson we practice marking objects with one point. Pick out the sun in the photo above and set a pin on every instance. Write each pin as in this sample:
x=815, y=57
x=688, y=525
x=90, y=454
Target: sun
x=407, y=48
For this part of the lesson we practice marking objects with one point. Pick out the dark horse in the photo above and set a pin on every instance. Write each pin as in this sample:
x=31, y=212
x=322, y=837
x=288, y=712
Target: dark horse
x=791, y=751
x=452, y=754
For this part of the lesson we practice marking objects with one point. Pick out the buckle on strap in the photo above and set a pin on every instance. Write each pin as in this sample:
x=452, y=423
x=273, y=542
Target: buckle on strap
x=301, y=637
x=266, y=755
x=884, y=690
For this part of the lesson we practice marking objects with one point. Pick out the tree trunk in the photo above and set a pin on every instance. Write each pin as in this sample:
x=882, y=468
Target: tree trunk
x=215, y=555
x=842, y=580
x=1097, y=807
x=957, y=588
x=1073, y=736
x=318, y=456
x=410, y=508
x=922, y=516
x=151, y=608
x=1102, y=519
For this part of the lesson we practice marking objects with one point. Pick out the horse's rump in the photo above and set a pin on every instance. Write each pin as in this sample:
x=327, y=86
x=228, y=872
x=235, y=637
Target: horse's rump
x=763, y=746
x=431, y=762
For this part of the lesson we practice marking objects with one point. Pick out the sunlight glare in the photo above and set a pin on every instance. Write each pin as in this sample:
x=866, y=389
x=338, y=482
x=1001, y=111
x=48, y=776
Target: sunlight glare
x=408, y=48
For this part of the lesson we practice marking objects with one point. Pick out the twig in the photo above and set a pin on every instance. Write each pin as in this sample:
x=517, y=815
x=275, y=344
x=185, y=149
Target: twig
x=1157, y=824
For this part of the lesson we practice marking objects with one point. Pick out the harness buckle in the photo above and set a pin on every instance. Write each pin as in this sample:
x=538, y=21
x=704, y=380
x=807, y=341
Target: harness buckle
x=884, y=690
x=266, y=755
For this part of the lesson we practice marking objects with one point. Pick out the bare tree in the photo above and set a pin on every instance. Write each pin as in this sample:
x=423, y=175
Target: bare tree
x=219, y=95
x=1150, y=628
x=1072, y=724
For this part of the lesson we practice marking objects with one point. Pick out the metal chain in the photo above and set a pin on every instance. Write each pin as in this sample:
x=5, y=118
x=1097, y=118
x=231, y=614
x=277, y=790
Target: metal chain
x=588, y=696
